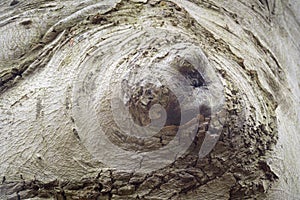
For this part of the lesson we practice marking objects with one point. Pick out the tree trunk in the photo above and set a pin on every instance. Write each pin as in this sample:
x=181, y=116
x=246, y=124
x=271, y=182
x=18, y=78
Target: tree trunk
x=149, y=99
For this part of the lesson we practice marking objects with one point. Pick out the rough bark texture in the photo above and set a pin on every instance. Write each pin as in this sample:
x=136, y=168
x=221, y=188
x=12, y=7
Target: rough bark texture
x=222, y=75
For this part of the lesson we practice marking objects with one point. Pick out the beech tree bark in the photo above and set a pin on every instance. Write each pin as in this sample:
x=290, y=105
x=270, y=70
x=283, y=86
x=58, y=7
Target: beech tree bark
x=150, y=99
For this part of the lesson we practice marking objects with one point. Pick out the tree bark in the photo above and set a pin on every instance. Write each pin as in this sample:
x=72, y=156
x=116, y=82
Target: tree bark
x=149, y=99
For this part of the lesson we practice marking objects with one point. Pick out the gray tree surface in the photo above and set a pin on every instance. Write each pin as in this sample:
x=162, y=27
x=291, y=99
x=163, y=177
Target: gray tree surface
x=150, y=99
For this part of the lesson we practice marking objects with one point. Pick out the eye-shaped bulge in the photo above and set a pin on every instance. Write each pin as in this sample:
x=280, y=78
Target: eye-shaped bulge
x=182, y=84
x=138, y=97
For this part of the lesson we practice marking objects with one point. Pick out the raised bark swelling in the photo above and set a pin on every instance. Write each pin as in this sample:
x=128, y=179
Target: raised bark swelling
x=65, y=66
